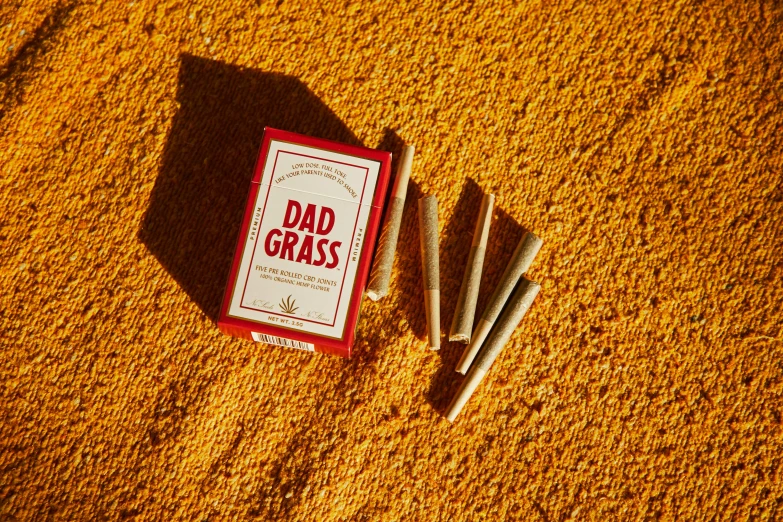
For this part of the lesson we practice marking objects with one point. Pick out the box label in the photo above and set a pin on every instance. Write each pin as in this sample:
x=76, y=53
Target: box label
x=303, y=246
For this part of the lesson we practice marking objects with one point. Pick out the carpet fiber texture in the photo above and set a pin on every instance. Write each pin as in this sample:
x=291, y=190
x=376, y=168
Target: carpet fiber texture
x=641, y=141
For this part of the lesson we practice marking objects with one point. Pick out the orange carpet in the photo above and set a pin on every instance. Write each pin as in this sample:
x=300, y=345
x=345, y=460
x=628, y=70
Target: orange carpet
x=642, y=142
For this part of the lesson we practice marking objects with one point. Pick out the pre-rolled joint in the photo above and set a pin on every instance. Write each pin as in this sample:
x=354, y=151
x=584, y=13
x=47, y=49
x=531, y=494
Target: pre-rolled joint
x=465, y=311
x=521, y=259
x=378, y=286
x=428, y=237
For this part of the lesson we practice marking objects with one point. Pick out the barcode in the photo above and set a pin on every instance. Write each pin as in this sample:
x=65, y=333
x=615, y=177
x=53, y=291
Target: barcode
x=280, y=341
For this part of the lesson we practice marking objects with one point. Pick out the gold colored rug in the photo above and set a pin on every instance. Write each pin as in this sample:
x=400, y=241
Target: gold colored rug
x=642, y=142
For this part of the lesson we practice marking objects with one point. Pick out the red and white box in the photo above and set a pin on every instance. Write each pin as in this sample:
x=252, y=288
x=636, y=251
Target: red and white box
x=306, y=243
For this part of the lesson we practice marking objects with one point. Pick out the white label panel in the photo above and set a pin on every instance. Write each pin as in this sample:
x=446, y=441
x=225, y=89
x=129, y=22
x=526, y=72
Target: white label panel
x=303, y=246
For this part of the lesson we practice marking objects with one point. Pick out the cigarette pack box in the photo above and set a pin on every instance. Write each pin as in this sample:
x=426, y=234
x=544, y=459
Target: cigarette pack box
x=306, y=243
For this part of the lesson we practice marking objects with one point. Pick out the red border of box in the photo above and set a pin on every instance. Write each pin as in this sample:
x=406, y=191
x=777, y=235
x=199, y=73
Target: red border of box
x=342, y=347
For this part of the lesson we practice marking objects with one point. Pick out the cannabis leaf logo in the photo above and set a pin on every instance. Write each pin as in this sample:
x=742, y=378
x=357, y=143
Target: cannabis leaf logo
x=287, y=306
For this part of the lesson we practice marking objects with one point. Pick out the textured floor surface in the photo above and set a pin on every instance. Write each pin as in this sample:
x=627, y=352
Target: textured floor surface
x=643, y=142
